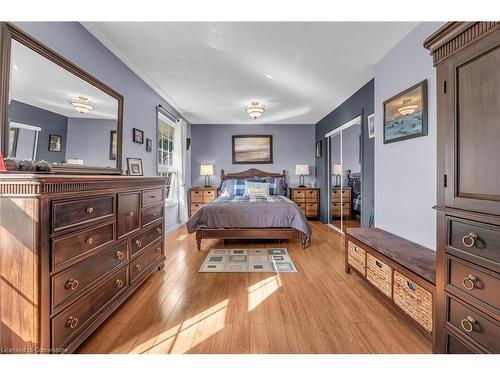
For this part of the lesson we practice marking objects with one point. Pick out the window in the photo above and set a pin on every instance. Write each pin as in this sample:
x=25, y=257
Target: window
x=165, y=148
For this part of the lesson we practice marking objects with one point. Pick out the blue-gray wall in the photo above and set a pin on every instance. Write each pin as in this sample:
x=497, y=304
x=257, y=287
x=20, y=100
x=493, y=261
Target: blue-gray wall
x=88, y=139
x=361, y=102
x=50, y=122
x=76, y=44
x=212, y=144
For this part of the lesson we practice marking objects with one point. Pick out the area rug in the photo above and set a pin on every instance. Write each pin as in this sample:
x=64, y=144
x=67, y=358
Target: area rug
x=248, y=260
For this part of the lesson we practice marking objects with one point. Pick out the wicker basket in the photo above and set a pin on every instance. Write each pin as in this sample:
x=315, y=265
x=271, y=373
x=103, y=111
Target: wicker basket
x=356, y=257
x=414, y=300
x=379, y=274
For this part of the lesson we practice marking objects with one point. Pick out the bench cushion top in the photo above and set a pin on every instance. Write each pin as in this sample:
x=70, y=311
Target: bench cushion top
x=417, y=259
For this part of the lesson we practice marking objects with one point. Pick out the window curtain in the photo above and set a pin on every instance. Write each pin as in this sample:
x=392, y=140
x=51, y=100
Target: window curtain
x=180, y=165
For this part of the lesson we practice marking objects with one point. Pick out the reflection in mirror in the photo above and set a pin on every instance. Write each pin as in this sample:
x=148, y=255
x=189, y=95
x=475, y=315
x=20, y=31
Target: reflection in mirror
x=56, y=116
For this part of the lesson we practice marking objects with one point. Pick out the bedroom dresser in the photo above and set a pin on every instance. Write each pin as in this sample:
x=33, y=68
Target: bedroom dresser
x=467, y=60
x=72, y=250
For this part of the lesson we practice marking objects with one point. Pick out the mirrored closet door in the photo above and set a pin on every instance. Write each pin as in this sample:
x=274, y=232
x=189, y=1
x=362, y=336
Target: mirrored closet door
x=344, y=169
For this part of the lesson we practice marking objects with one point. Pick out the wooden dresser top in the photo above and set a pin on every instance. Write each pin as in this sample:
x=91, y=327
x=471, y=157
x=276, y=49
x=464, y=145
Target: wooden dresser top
x=418, y=259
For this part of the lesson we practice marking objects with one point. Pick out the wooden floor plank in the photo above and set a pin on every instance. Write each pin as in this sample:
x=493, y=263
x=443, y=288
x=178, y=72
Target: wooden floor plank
x=319, y=309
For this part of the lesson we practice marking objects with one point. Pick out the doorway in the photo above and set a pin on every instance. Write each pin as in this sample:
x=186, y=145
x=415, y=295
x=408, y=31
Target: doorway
x=344, y=171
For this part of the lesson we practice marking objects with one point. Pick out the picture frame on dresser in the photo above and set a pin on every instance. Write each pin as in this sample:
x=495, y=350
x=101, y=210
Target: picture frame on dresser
x=134, y=167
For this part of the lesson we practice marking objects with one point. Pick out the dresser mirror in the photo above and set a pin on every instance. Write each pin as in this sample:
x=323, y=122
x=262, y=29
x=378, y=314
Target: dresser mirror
x=54, y=111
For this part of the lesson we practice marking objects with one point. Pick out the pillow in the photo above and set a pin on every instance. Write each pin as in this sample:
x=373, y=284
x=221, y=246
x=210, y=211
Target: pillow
x=253, y=189
x=276, y=186
x=232, y=187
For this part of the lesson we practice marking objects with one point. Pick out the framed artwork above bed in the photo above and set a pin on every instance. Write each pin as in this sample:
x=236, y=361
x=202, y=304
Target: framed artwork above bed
x=252, y=149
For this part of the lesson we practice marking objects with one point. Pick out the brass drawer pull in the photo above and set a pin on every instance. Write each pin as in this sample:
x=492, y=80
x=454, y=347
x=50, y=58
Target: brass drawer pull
x=119, y=283
x=470, y=239
x=138, y=243
x=379, y=265
x=130, y=213
x=138, y=267
x=89, y=240
x=469, y=282
x=468, y=324
x=90, y=210
x=72, y=322
x=159, y=230
x=411, y=286
x=120, y=255
x=71, y=284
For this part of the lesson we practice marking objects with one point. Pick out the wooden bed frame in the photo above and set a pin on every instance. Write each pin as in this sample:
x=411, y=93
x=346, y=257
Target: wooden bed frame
x=251, y=233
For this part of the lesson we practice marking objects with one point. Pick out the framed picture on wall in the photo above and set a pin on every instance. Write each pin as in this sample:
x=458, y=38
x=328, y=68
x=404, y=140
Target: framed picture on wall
x=319, y=149
x=405, y=114
x=55, y=143
x=112, y=144
x=371, y=125
x=252, y=149
x=134, y=166
x=137, y=135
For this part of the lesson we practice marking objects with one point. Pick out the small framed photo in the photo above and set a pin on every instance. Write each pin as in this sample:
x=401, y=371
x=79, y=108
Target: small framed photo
x=138, y=136
x=149, y=145
x=112, y=144
x=405, y=114
x=134, y=166
x=371, y=125
x=55, y=143
x=319, y=149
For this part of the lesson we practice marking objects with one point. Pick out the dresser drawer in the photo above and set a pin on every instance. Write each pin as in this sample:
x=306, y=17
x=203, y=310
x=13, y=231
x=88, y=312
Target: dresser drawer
x=84, y=274
x=312, y=195
x=72, y=320
x=338, y=209
x=379, y=274
x=298, y=195
x=128, y=213
x=196, y=196
x=413, y=299
x=69, y=247
x=456, y=346
x=474, y=240
x=473, y=324
x=302, y=207
x=338, y=194
x=149, y=215
x=476, y=281
x=142, y=240
x=209, y=195
x=67, y=214
x=311, y=209
x=142, y=263
x=152, y=196
x=356, y=257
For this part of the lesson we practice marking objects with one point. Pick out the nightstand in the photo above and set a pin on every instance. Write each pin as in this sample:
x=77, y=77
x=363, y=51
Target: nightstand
x=199, y=195
x=345, y=194
x=307, y=199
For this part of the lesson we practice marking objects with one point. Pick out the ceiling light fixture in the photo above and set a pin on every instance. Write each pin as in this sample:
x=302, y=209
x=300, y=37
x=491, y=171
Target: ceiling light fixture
x=82, y=105
x=255, y=109
x=407, y=108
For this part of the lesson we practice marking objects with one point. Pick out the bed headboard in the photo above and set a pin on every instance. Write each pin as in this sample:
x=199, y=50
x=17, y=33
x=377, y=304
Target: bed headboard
x=250, y=173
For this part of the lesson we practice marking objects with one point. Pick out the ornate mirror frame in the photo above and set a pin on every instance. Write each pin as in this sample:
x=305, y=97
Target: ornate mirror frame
x=9, y=32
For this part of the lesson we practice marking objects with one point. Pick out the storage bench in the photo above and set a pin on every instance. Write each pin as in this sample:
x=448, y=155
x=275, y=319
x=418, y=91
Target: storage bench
x=402, y=271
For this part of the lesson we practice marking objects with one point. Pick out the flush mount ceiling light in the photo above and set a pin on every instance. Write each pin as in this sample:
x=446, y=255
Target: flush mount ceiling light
x=255, y=109
x=82, y=105
x=407, y=108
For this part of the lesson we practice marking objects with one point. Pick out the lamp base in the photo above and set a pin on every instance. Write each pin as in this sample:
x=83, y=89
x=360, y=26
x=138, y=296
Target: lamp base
x=207, y=186
x=302, y=186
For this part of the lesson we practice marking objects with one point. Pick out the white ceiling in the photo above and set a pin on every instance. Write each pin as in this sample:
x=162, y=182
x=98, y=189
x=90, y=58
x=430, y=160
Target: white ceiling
x=209, y=71
x=41, y=83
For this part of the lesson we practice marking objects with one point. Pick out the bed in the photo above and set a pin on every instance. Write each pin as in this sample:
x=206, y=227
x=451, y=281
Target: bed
x=241, y=217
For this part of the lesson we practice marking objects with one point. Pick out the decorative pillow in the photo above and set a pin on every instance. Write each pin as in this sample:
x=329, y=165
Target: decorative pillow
x=276, y=186
x=232, y=187
x=253, y=189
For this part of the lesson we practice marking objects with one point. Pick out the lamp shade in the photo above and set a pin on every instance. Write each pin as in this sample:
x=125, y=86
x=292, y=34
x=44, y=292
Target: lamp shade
x=336, y=169
x=206, y=170
x=302, y=169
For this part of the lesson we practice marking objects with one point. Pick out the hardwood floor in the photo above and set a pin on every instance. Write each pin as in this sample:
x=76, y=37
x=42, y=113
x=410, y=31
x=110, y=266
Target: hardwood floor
x=320, y=309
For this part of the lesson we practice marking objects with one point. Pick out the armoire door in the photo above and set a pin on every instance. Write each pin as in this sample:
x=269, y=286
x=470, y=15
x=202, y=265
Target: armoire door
x=471, y=89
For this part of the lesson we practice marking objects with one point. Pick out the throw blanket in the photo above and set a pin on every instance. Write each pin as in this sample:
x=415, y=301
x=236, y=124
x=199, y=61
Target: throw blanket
x=274, y=211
